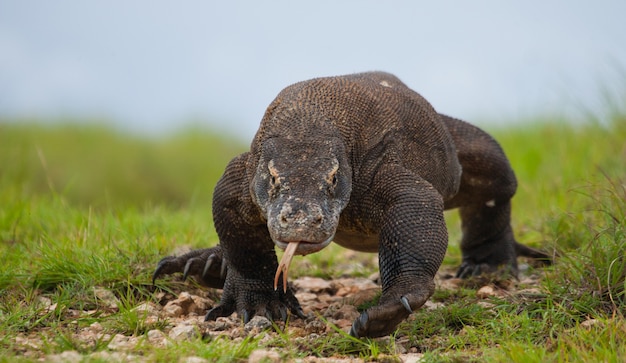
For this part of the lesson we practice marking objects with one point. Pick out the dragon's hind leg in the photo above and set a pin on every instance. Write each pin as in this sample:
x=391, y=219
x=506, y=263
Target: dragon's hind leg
x=484, y=199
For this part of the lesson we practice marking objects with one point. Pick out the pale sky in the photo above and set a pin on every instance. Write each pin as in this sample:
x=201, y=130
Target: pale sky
x=152, y=66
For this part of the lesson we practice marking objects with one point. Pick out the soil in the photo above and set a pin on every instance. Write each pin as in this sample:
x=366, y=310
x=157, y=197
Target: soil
x=181, y=317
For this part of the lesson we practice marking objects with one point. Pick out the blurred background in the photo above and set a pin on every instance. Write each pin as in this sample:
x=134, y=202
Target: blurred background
x=154, y=66
x=140, y=103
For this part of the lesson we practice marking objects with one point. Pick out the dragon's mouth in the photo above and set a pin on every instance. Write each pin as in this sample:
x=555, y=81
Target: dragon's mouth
x=291, y=249
x=303, y=248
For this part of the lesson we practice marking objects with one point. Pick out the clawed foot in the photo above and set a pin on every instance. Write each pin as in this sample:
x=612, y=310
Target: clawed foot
x=379, y=321
x=501, y=259
x=471, y=269
x=384, y=318
x=247, y=297
x=250, y=297
x=206, y=266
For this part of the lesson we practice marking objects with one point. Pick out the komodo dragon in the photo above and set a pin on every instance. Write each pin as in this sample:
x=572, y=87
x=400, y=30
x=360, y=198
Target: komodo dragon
x=364, y=161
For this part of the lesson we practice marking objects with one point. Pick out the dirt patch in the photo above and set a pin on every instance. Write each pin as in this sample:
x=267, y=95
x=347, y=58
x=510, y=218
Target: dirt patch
x=180, y=317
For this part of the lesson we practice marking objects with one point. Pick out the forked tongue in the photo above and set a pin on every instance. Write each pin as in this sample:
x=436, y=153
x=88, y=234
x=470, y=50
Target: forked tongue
x=283, y=266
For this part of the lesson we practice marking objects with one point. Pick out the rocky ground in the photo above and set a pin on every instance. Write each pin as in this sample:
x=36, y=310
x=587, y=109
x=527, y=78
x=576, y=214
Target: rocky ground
x=334, y=300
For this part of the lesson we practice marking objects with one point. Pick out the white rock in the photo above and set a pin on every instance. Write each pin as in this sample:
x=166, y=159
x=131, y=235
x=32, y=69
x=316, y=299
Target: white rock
x=431, y=305
x=361, y=283
x=193, y=360
x=44, y=301
x=157, y=337
x=96, y=327
x=304, y=297
x=257, y=324
x=147, y=307
x=106, y=356
x=489, y=291
x=201, y=304
x=69, y=356
x=312, y=284
x=107, y=297
x=411, y=357
x=183, y=332
x=120, y=342
x=485, y=304
x=263, y=355
x=589, y=323
x=29, y=343
x=173, y=310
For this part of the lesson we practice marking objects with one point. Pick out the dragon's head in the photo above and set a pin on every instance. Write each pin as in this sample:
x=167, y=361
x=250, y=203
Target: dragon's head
x=301, y=187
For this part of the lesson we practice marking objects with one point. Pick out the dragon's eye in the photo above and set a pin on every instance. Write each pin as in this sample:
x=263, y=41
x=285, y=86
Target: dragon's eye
x=334, y=180
x=273, y=173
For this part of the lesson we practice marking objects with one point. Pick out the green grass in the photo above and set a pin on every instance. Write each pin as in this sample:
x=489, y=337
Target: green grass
x=85, y=207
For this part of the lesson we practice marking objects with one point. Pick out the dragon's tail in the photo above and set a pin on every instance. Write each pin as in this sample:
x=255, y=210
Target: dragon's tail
x=525, y=251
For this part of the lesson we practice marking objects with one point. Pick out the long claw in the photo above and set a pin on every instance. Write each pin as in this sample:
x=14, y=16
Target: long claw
x=283, y=266
x=187, y=268
x=156, y=274
x=405, y=303
x=477, y=271
x=207, y=265
x=464, y=271
x=358, y=324
x=223, y=270
x=154, y=277
x=300, y=313
x=160, y=267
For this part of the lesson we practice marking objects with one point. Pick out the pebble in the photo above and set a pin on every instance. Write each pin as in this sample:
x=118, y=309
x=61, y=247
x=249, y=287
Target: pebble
x=347, y=312
x=105, y=356
x=312, y=284
x=122, y=342
x=263, y=355
x=451, y=283
x=193, y=359
x=485, y=304
x=173, y=310
x=183, y=332
x=146, y=307
x=45, y=302
x=305, y=297
x=431, y=305
x=96, y=327
x=107, y=298
x=315, y=326
x=257, y=324
x=411, y=357
x=359, y=283
x=531, y=293
x=187, y=304
x=28, y=343
x=489, y=291
x=157, y=337
x=69, y=356
x=590, y=323
x=221, y=324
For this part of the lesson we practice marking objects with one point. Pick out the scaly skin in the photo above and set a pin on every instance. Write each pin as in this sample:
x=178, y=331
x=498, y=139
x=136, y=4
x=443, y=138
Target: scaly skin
x=365, y=162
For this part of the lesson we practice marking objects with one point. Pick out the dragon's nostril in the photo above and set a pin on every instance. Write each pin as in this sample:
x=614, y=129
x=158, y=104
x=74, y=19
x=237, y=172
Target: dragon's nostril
x=283, y=219
x=303, y=216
